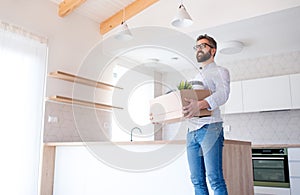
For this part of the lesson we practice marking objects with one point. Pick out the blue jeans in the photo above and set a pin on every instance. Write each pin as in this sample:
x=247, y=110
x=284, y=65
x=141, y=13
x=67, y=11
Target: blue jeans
x=204, y=151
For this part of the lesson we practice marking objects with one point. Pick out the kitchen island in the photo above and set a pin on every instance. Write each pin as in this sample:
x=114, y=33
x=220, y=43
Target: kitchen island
x=237, y=167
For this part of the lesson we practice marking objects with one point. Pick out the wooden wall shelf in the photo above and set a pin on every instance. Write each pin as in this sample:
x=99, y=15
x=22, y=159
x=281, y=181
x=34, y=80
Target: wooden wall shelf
x=82, y=102
x=77, y=79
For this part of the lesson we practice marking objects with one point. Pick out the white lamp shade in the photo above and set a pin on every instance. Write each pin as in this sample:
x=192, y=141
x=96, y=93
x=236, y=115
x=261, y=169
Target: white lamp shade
x=182, y=19
x=124, y=34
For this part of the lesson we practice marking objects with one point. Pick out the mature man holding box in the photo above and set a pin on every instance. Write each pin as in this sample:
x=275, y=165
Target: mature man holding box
x=205, y=134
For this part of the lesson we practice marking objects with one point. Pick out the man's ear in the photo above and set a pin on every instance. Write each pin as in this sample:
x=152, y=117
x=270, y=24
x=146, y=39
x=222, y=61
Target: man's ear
x=213, y=51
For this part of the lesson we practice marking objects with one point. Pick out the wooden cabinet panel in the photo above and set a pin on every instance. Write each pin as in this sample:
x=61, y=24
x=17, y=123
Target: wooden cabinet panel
x=237, y=167
x=266, y=94
x=295, y=90
x=47, y=171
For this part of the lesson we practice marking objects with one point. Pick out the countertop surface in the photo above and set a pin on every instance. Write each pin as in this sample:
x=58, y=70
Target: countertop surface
x=276, y=146
x=136, y=142
x=169, y=142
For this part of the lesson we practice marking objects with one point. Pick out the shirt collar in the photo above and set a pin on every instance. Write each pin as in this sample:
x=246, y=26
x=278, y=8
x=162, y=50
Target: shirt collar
x=208, y=66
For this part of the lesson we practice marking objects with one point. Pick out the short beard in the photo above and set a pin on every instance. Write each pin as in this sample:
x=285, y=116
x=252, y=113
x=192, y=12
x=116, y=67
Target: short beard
x=204, y=57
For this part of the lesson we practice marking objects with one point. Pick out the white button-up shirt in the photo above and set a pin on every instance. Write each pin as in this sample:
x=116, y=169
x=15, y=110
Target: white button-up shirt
x=217, y=80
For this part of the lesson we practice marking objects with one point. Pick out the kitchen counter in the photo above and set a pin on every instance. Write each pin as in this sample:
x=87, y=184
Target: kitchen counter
x=136, y=142
x=276, y=146
x=237, y=163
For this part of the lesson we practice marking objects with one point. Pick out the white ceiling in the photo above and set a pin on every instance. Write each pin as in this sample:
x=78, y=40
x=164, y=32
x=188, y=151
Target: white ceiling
x=99, y=10
x=272, y=33
x=265, y=27
x=268, y=34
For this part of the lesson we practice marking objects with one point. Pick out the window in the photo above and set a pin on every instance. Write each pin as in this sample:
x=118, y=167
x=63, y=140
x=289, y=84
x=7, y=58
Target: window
x=22, y=66
x=141, y=92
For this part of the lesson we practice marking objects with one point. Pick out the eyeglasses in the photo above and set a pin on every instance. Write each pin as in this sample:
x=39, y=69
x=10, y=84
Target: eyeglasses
x=201, y=46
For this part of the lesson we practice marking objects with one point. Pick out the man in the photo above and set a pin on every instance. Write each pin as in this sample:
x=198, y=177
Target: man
x=205, y=134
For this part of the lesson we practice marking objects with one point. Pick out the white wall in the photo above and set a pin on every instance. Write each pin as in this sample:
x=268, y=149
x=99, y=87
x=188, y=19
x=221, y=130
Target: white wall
x=70, y=38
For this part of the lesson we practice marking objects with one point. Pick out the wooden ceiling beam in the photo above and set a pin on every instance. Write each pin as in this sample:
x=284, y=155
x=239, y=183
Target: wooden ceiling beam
x=67, y=6
x=130, y=11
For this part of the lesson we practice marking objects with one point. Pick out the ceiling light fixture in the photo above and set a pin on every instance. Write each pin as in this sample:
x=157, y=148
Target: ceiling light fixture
x=124, y=34
x=183, y=18
x=151, y=63
x=231, y=47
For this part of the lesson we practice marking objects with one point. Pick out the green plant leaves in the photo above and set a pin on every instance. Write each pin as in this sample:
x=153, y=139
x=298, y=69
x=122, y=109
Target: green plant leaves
x=184, y=85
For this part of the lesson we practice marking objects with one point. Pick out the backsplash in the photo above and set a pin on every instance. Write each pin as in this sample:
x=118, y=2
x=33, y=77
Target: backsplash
x=267, y=66
x=72, y=123
x=278, y=127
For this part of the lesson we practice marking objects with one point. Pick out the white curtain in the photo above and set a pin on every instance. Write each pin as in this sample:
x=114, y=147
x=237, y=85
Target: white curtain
x=22, y=67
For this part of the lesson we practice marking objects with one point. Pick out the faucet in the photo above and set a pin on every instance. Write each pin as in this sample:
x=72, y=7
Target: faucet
x=132, y=132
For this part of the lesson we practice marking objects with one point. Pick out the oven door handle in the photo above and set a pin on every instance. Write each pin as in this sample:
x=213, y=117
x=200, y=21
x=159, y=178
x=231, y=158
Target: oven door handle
x=267, y=158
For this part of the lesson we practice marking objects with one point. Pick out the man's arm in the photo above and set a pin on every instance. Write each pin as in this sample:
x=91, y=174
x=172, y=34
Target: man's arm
x=221, y=94
x=216, y=99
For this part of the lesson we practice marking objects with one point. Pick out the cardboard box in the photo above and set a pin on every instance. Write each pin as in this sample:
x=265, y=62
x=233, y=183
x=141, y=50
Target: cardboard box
x=168, y=108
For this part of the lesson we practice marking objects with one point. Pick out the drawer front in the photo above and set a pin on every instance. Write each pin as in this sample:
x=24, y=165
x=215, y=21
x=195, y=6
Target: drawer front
x=258, y=190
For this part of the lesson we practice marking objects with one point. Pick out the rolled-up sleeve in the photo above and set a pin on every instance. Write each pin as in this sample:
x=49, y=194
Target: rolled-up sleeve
x=220, y=89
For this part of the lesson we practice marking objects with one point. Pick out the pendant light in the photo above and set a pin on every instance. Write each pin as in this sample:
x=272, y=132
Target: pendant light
x=124, y=34
x=182, y=19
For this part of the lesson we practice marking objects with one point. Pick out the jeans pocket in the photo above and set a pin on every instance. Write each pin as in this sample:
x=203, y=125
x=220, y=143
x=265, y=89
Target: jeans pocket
x=189, y=137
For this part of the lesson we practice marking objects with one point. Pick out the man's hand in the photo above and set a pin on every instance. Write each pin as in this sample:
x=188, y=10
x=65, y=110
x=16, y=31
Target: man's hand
x=194, y=107
x=151, y=119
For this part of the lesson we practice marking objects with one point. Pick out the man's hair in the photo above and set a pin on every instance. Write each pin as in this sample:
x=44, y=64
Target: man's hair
x=211, y=40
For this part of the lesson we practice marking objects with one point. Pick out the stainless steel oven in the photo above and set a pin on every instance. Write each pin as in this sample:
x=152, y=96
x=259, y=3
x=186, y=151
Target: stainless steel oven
x=270, y=167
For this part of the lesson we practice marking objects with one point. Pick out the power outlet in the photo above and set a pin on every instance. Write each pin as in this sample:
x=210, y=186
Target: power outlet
x=52, y=119
x=227, y=128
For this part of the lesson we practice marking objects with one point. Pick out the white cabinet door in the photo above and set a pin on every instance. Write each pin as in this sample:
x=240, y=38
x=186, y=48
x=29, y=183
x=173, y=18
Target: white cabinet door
x=294, y=170
x=295, y=186
x=266, y=94
x=235, y=100
x=295, y=90
x=294, y=154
